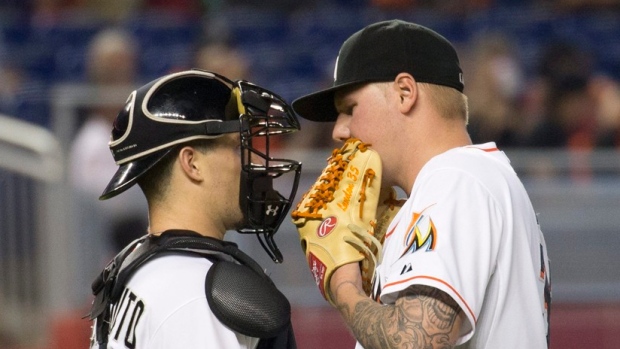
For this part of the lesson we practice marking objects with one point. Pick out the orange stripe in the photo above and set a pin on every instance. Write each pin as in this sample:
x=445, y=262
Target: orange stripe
x=440, y=281
x=485, y=149
x=391, y=231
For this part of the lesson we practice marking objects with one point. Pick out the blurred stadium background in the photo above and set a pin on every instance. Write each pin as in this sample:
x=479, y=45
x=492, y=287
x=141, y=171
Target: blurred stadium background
x=53, y=240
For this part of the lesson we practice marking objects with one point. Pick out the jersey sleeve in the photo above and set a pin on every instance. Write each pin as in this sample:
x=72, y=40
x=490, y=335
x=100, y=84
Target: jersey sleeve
x=448, y=238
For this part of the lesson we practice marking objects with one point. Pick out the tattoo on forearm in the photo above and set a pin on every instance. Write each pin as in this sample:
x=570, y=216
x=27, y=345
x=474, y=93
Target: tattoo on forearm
x=423, y=317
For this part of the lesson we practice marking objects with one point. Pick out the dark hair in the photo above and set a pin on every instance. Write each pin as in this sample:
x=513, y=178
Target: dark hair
x=156, y=182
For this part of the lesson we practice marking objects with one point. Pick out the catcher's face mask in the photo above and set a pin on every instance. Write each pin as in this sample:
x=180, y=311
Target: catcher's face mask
x=196, y=104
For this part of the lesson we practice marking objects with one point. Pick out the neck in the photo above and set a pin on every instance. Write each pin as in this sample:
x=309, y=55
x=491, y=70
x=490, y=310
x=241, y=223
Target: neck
x=167, y=216
x=443, y=136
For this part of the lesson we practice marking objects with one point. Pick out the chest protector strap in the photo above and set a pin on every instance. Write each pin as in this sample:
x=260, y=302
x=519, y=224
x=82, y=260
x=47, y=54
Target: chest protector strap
x=238, y=291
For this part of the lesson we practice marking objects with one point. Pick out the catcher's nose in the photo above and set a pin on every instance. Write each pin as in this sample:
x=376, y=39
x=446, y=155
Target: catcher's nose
x=341, y=130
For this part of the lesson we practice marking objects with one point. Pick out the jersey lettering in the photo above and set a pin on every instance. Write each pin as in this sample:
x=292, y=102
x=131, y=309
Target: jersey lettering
x=130, y=308
x=117, y=308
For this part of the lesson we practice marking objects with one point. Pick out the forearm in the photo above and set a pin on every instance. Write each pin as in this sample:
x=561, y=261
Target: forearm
x=422, y=317
x=367, y=319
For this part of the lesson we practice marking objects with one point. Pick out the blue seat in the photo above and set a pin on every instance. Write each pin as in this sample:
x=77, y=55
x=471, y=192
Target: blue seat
x=166, y=43
x=248, y=25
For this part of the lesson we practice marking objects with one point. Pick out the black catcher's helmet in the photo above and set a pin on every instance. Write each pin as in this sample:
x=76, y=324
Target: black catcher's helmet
x=197, y=104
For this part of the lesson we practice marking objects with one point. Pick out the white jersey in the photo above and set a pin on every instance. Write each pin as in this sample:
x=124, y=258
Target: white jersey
x=469, y=229
x=164, y=306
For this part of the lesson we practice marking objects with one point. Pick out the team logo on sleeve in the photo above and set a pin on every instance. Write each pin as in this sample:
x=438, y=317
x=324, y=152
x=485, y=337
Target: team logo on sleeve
x=421, y=234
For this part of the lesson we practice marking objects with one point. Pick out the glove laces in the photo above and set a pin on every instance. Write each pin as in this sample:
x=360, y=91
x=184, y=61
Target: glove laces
x=328, y=182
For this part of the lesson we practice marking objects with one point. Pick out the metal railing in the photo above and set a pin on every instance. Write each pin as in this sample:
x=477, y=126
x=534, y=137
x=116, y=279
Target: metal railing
x=31, y=167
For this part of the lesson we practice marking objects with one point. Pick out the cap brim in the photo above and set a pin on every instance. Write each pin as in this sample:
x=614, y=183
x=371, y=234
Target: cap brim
x=127, y=174
x=319, y=106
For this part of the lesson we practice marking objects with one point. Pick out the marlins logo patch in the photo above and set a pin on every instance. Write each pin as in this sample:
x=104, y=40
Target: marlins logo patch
x=421, y=234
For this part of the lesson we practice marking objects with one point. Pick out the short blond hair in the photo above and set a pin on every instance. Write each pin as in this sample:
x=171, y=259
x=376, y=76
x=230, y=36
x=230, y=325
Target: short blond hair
x=449, y=102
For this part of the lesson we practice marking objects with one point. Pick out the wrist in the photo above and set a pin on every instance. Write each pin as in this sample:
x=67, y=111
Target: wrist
x=345, y=283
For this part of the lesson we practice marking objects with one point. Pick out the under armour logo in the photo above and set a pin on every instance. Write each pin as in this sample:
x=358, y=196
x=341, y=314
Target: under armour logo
x=272, y=211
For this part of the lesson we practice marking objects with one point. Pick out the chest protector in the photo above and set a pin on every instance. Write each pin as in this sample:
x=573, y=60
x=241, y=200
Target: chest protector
x=238, y=291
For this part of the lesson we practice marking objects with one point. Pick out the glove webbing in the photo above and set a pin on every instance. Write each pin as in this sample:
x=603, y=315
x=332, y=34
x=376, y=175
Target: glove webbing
x=329, y=180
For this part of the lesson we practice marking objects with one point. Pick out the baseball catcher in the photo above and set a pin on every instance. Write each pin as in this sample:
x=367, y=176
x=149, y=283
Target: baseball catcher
x=342, y=218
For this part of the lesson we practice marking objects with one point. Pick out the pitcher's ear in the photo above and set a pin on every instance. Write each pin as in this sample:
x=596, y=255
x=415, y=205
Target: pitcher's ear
x=407, y=90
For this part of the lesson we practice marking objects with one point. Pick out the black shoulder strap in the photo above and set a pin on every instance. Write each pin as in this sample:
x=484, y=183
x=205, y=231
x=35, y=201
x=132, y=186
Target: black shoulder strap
x=109, y=285
x=102, y=285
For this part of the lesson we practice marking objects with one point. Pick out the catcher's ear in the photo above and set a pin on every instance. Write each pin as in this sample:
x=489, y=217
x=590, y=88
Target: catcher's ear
x=407, y=90
x=188, y=158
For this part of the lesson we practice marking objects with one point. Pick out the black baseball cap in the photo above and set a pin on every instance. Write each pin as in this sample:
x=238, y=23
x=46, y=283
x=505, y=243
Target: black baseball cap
x=379, y=52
